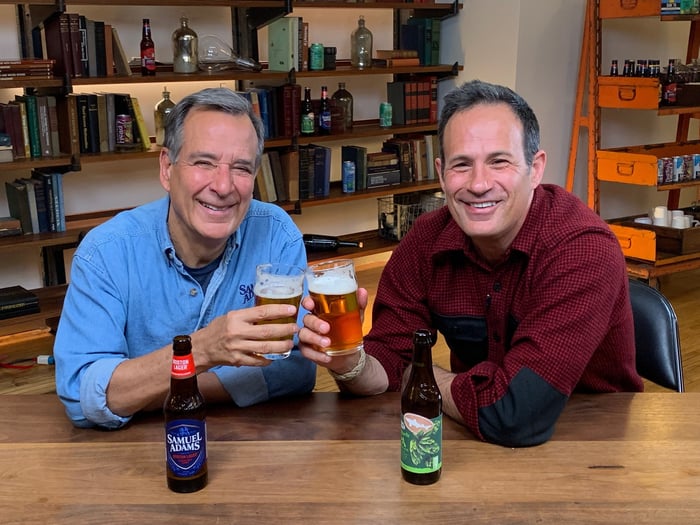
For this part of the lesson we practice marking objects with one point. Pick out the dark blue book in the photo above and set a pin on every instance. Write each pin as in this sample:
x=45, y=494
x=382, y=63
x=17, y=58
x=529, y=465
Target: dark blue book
x=322, y=171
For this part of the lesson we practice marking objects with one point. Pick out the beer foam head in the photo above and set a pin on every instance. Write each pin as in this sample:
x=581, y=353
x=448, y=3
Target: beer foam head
x=336, y=284
x=278, y=288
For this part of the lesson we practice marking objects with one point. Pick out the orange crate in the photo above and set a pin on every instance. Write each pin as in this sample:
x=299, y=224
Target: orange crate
x=628, y=92
x=636, y=243
x=629, y=8
x=627, y=168
x=639, y=164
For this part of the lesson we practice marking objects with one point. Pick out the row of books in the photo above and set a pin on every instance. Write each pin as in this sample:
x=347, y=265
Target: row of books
x=30, y=124
x=26, y=67
x=81, y=47
x=100, y=131
x=305, y=174
x=413, y=101
x=288, y=44
x=422, y=35
x=278, y=107
x=37, y=201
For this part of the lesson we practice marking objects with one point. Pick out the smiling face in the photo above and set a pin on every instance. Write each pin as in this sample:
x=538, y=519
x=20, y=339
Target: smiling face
x=207, y=205
x=487, y=182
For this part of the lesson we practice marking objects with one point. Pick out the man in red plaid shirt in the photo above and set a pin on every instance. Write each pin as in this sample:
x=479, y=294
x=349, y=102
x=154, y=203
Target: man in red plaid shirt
x=525, y=283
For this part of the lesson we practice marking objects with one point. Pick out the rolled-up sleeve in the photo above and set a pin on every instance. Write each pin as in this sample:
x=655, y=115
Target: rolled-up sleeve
x=250, y=385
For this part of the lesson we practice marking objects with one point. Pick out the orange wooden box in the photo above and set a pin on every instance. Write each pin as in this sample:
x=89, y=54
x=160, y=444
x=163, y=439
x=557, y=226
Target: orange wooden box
x=628, y=92
x=639, y=164
x=636, y=243
x=647, y=241
x=629, y=8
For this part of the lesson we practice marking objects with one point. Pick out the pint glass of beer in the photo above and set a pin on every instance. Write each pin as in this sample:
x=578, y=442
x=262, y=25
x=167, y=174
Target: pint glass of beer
x=333, y=287
x=277, y=283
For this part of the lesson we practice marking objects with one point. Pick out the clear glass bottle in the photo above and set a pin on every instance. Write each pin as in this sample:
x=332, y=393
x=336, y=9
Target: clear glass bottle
x=184, y=48
x=160, y=112
x=343, y=99
x=361, y=46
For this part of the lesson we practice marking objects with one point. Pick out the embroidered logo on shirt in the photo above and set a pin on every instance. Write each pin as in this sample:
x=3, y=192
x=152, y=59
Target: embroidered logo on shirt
x=246, y=291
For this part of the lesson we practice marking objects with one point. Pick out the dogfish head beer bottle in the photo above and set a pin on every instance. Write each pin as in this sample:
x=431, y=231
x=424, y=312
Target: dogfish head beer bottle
x=421, y=417
x=185, y=423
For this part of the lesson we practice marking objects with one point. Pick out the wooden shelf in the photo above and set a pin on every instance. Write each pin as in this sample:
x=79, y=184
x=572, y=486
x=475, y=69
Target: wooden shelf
x=50, y=306
x=51, y=298
x=262, y=77
x=75, y=225
x=64, y=161
x=372, y=244
x=337, y=195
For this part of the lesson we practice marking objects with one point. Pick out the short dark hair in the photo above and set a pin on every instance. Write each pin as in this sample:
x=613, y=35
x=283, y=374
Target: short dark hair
x=477, y=92
x=215, y=99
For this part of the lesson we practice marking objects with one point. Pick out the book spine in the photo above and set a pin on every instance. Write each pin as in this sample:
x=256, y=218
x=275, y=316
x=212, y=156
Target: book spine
x=141, y=124
x=74, y=32
x=25, y=127
x=93, y=124
x=44, y=126
x=53, y=125
x=33, y=124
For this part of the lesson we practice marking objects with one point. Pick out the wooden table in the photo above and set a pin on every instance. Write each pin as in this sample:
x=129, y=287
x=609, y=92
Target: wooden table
x=326, y=459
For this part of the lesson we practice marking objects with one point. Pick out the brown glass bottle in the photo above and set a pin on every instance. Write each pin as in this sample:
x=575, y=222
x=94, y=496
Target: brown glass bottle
x=185, y=423
x=421, y=417
x=148, y=50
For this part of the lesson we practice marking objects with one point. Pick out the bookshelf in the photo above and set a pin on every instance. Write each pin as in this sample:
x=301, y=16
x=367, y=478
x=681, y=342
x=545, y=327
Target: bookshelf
x=246, y=16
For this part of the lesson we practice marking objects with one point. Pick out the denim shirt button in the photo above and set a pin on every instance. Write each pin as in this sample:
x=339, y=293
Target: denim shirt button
x=193, y=292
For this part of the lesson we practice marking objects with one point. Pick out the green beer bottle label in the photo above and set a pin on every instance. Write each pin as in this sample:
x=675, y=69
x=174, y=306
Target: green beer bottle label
x=307, y=123
x=421, y=443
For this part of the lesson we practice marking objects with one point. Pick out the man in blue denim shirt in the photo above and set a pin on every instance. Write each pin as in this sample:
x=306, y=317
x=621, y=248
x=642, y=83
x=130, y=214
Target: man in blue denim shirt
x=184, y=264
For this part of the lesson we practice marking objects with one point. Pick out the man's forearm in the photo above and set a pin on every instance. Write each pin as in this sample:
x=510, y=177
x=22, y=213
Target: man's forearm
x=370, y=381
x=444, y=380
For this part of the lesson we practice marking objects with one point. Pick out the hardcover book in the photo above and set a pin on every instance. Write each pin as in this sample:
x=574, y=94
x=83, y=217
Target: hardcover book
x=58, y=45
x=290, y=170
x=75, y=44
x=283, y=37
x=358, y=155
x=16, y=300
x=18, y=203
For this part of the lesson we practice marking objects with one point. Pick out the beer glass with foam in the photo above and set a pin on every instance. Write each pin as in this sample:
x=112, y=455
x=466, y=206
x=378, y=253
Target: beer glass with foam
x=333, y=287
x=277, y=283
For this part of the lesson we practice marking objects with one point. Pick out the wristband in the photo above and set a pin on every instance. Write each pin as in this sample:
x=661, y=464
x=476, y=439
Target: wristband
x=352, y=374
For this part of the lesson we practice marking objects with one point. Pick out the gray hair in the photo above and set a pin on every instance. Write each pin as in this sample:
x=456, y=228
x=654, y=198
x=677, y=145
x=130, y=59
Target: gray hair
x=215, y=99
x=477, y=92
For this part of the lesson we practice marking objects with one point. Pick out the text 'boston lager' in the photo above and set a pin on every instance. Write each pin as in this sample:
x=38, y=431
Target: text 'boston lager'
x=185, y=423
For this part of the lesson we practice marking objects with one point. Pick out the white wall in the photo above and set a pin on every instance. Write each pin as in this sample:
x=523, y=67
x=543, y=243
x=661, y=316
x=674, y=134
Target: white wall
x=532, y=46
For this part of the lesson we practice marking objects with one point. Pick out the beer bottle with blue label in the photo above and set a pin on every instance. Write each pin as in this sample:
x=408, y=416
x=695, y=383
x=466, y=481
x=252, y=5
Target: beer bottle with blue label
x=421, y=417
x=185, y=423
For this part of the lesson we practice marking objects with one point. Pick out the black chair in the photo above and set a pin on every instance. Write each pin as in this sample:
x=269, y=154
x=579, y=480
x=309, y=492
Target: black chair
x=656, y=337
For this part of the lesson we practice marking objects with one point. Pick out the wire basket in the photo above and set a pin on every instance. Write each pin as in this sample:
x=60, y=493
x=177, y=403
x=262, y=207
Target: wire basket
x=397, y=213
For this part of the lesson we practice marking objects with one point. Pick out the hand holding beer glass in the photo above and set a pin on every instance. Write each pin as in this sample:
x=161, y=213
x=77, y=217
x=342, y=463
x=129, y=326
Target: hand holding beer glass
x=333, y=287
x=277, y=283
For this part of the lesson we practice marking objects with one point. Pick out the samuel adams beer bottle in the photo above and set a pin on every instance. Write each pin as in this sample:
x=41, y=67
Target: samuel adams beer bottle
x=421, y=417
x=185, y=425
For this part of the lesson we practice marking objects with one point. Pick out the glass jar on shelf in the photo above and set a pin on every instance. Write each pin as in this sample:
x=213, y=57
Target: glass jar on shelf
x=160, y=113
x=361, y=46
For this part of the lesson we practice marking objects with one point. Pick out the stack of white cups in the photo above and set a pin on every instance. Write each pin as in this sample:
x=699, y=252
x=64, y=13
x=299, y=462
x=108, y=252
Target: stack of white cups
x=662, y=216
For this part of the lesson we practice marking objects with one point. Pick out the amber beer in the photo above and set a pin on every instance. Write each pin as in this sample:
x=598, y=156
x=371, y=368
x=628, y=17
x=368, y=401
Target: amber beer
x=333, y=287
x=277, y=283
x=185, y=423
